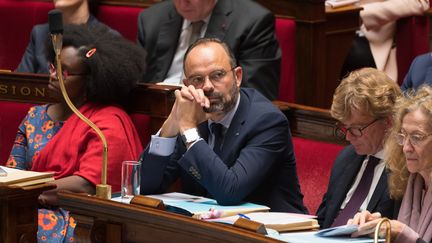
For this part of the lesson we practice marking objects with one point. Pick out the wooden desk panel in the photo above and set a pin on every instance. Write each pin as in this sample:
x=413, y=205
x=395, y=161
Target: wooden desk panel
x=102, y=220
x=310, y=122
x=157, y=100
x=19, y=213
x=21, y=87
x=154, y=100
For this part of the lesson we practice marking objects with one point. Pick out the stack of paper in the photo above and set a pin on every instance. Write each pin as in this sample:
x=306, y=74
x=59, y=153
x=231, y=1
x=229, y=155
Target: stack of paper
x=344, y=230
x=339, y=3
x=201, y=207
x=282, y=222
x=330, y=235
x=15, y=177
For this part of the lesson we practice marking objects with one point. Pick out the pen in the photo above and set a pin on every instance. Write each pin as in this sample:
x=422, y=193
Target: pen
x=243, y=216
x=2, y=172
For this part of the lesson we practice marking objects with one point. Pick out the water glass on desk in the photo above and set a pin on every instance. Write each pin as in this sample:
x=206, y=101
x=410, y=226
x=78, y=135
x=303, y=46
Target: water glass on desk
x=131, y=179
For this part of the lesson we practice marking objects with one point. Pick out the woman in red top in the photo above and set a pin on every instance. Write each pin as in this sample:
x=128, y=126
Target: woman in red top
x=100, y=69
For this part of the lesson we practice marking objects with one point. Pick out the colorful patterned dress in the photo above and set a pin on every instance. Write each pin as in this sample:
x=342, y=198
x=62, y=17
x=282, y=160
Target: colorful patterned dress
x=36, y=130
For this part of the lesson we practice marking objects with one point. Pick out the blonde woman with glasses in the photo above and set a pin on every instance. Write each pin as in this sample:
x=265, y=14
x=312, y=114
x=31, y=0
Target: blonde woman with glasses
x=408, y=152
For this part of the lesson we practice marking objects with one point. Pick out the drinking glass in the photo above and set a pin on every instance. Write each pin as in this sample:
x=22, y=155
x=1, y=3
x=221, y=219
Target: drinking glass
x=131, y=179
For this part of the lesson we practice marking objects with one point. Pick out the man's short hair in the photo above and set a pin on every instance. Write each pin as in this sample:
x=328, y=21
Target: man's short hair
x=205, y=41
x=366, y=90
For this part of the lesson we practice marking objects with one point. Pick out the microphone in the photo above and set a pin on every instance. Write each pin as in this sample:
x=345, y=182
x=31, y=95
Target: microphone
x=55, y=21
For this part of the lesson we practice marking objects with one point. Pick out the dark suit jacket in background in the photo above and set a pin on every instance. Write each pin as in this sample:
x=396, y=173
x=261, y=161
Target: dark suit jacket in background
x=35, y=59
x=419, y=73
x=246, y=27
x=257, y=162
x=343, y=174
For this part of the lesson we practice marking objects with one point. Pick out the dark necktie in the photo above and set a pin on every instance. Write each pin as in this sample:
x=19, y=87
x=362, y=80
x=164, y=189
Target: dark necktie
x=359, y=194
x=196, y=31
x=216, y=130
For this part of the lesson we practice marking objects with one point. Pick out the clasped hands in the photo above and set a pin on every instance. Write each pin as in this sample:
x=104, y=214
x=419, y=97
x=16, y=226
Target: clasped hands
x=187, y=111
x=367, y=222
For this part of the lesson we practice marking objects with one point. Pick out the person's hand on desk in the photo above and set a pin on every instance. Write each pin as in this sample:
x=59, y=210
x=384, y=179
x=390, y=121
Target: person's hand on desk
x=368, y=221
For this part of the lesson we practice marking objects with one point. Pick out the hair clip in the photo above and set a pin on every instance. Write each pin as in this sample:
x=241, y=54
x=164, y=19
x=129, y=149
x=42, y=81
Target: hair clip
x=90, y=52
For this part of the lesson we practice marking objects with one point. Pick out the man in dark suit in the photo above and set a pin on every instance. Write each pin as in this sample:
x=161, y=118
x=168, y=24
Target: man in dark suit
x=249, y=158
x=35, y=58
x=419, y=73
x=363, y=104
x=246, y=27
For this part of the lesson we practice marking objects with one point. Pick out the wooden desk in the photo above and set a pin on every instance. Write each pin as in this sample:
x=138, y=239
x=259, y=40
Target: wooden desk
x=154, y=100
x=157, y=100
x=19, y=213
x=112, y=222
x=310, y=122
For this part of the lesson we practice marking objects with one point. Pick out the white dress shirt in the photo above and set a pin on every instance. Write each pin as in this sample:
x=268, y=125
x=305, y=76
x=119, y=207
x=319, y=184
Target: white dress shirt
x=379, y=168
x=175, y=73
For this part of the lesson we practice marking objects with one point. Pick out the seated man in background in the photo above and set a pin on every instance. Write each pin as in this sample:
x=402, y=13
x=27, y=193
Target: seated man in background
x=167, y=29
x=34, y=59
x=419, y=73
x=225, y=142
x=363, y=104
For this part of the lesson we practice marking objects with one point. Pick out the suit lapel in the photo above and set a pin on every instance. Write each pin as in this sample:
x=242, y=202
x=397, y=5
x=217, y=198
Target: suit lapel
x=234, y=130
x=380, y=189
x=203, y=130
x=167, y=43
x=220, y=20
x=344, y=184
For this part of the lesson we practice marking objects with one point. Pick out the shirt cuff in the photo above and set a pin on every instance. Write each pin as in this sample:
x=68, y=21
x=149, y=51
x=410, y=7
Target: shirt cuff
x=192, y=144
x=407, y=235
x=162, y=146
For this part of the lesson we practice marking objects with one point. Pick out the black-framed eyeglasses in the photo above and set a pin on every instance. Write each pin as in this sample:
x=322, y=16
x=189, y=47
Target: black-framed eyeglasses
x=66, y=73
x=215, y=77
x=341, y=131
x=415, y=139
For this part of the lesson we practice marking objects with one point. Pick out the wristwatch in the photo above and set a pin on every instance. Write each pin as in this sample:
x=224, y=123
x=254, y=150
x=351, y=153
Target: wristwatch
x=190, y=136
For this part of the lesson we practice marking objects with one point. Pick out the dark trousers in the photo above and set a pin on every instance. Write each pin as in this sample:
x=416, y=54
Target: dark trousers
x=359, y=56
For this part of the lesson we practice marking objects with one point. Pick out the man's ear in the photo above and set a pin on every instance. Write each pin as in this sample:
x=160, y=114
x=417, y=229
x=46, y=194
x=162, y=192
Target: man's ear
x=238, y=72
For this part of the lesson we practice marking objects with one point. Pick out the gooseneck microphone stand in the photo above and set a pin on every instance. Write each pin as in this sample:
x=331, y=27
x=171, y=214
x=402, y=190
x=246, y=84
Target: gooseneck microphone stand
x=55, y=17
